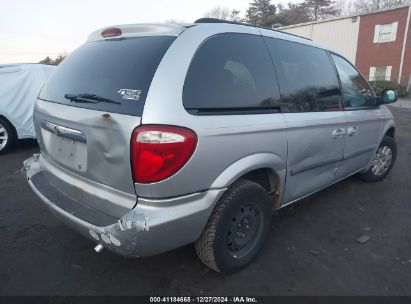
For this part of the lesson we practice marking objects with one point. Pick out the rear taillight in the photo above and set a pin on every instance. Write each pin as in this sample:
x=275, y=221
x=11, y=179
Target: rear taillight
x=158, y=152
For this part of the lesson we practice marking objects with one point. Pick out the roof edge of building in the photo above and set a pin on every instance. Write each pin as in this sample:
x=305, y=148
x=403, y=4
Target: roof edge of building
x=343, y=17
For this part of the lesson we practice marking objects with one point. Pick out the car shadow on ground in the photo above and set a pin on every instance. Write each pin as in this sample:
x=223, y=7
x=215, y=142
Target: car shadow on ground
x=23, y=144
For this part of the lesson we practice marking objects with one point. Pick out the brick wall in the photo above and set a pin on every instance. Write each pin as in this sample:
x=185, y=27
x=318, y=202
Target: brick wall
x=370, y=54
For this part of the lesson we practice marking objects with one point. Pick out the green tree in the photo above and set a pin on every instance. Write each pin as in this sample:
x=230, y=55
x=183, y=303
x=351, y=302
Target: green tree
x=291, y=14
x=320, y=9
x=261, y=12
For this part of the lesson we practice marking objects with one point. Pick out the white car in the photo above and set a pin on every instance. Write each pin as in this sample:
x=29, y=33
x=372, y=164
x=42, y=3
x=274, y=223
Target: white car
x=20, y=85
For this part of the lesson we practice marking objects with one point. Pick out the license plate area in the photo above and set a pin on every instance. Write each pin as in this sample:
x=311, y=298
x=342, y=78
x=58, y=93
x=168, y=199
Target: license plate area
x=66, y=146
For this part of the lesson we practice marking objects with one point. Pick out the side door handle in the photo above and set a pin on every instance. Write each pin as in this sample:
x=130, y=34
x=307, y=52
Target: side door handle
x=351, y=131
x=338, y=133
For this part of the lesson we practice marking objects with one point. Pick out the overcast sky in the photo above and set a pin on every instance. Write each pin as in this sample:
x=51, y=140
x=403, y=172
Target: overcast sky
x=32, y=29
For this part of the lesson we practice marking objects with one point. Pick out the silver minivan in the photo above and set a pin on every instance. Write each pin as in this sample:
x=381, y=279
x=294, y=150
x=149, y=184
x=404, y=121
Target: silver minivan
x=155, y=136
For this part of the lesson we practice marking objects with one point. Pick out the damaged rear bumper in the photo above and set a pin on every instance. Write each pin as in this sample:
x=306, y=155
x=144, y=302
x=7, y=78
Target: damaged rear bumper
x=153, y=226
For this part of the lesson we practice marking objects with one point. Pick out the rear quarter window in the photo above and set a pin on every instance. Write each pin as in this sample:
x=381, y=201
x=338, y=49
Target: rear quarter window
x=231, y=72
x=117, y=69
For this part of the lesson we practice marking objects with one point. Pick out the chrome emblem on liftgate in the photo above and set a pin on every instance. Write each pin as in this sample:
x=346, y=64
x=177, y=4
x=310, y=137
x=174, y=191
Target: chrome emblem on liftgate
x=64, y=132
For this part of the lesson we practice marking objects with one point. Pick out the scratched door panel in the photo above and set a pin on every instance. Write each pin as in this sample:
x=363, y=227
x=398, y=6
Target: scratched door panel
x=314, y=155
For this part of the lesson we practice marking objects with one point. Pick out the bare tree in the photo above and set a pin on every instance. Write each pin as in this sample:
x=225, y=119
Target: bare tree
x=46, y=60
x=365, y=6
x=234, y=16
x=218, y=12
x=174, y=21
x=379, y=4
x=59, y=59
x=55, y=61
x=342, y=7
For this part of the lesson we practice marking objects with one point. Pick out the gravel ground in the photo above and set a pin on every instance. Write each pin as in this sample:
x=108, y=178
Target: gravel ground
x=312, y=248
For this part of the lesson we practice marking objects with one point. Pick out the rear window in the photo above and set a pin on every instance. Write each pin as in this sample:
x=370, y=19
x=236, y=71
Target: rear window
x=116, y=70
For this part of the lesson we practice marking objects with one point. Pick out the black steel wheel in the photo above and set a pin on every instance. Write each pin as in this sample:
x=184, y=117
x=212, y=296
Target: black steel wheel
x=236, y=229
x=244, y=230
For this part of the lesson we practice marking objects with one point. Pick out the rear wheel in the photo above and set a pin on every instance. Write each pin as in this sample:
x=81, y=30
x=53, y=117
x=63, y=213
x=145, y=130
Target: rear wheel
x=383, y=161
x=7, y=136
x=236, y=229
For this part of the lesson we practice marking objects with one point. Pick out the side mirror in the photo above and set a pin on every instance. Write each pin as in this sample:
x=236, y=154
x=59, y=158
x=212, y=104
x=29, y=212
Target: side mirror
x=388, y=96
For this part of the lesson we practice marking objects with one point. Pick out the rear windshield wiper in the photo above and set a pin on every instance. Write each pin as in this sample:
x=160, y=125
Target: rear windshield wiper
x=89, y=98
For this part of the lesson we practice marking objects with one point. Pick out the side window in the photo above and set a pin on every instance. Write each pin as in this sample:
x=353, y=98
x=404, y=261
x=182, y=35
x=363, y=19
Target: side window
x=231, y=72
x=357, y=92
x=308, y=81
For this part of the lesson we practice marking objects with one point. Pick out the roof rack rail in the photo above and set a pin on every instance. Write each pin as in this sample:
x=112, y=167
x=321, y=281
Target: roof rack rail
x=215, y=20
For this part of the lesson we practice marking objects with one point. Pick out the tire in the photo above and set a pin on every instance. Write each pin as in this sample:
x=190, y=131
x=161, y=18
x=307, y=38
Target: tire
x=7, y=136
x=236, y=229
x=383, y=161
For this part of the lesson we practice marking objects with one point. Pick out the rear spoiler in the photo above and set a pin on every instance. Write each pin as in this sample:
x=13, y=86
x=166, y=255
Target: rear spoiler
x=137, y=30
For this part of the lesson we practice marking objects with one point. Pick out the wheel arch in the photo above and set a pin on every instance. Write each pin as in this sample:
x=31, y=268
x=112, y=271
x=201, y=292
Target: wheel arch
x=390, y=132
x=388, y=129
x=269, y=180
x=265, y=169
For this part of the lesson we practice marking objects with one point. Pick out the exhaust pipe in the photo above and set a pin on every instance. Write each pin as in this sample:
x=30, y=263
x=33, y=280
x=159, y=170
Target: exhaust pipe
x=99, y=248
